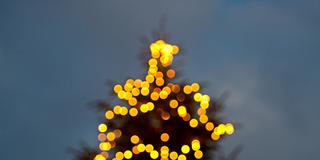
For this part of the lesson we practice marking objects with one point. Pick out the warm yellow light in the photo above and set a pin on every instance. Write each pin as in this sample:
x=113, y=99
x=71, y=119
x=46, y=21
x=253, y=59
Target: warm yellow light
x=185, y=149
x=173, y=155
x=128, y=87
x=109, y=115
x=144, y=108
x=198, y=154
x=119, y=155
x=117, y=109
x=195, y=145
x=145, y=84
x=203, y=119
x=141, y=147
x=127, y=154
x=149, y=78
x=164, y=137
x=163, y=94
x=205, y=98
x=171, y=73
x=144, y=91
x=175, y=49
x=121, y=94
x=111, y=136
x=152, y=61
x=149, y=148
x=117, y=88
x=150, y=106
x=154, y=154
x=124, y=111
x=135, y=91
x=197, y=97
x=229, y=128
x=201, y=111
x=105, y=146
x=167, y=89
x=102, y=128
x=154, y=96
x=182, y=111
x=159, y=81
x=132, y=101
x=215, y=137
x=133, y=112
x=221, y=129
x=159, y=75
x=204, y=104
x=195, y=87
x=209, y=126
x=173, y=103
x=134, y=139
x=193, y=123
x=182, y=157
x=187, y=89
x=137, y=83
x=99, y=157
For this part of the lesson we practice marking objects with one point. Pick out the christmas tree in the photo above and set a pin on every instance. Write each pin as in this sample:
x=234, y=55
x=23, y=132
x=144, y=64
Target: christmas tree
x=160, y=118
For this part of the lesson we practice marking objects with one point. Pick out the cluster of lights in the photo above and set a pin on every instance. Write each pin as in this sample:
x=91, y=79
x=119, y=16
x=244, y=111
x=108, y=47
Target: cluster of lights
x=141, y=96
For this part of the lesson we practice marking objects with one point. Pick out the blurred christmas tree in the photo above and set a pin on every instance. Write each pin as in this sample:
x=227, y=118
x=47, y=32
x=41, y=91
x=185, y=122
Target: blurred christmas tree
x=161, y=119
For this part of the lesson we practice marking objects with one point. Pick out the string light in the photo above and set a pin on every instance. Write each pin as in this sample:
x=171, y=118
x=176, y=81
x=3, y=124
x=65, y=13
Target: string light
x=157, y=94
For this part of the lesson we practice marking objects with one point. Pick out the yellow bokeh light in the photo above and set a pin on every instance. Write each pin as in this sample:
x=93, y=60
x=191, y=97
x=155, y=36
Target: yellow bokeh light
x=154, y=154
x=198, y=154
x=111, y=136
x=209, y=126
x=173, y=155
x=159, y=81
x=102, y=128
x=99, y=157
x=149, y=78
x=145, y=91
x=149, y=148
x=203, y=119
x=185, y=149
x=163, y=94
x=119, y=155
x=204, y=104
x=134, y=139
x=150, y=106
x=141, y=147
x=105, y=146
x=187, y=89
x=132, y=101
x=135, y=91
x=195, y=145
x=164, y=137
x=127, y=154
x=193, y=123
x=128, y=87
x=154, y=96
x=152, y=61
x=182, y=111
x=117, y=109
x=229, y=128
x=137, y=83
x=109, y=114
x=124, y=111
x=173, y=103
x=182, y=157
x=133, y=112
x=195, y=87
x=144, y=108
x=215, y=137
x=121, y=94
x=117, y=88
x=171, y=73
x=197, y=97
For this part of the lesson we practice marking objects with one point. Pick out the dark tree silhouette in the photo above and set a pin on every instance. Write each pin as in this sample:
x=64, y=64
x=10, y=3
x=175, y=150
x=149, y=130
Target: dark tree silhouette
x=159, y=117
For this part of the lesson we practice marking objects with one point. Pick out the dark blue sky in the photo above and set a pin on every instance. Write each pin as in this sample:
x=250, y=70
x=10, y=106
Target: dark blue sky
x=55, y=57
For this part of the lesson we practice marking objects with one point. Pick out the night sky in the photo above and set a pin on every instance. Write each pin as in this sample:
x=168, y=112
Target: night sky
x=56, y=56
